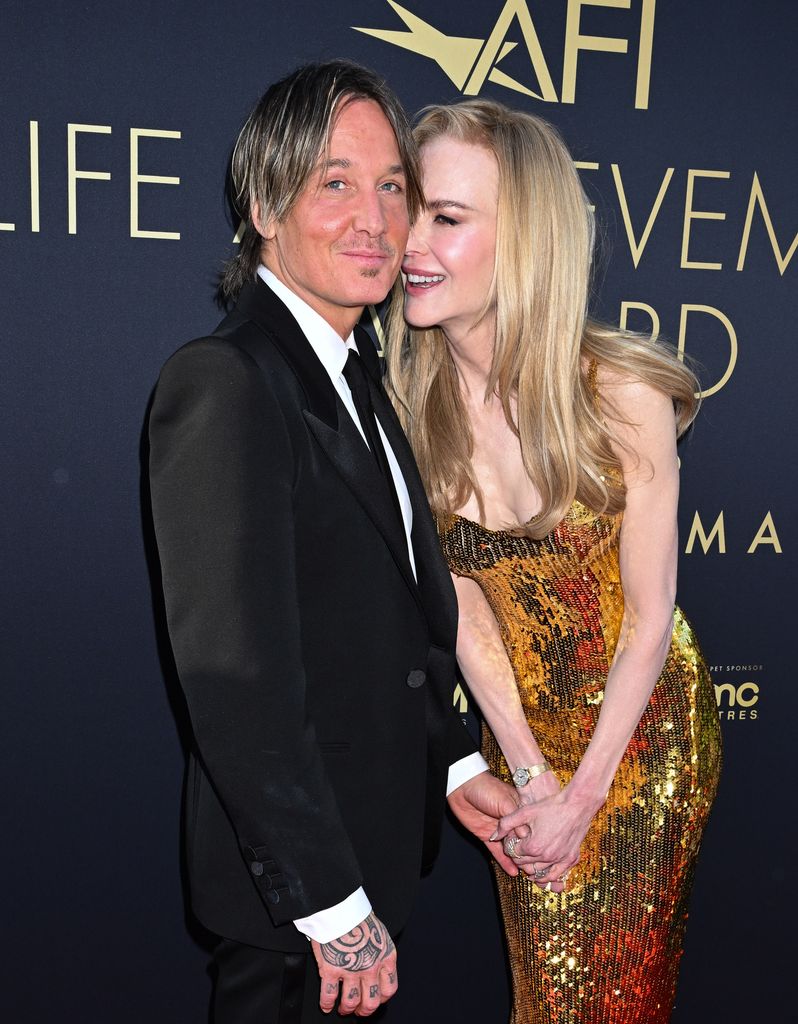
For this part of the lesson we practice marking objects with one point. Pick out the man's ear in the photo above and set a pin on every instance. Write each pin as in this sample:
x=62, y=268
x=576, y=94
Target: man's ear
x=265, y=229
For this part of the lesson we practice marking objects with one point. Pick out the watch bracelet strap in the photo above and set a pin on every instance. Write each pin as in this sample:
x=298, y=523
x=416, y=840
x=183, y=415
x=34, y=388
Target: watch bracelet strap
x=534, y=770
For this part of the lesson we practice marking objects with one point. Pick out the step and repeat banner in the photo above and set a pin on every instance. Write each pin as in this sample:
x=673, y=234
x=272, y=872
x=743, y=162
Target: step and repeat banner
x=116, y=126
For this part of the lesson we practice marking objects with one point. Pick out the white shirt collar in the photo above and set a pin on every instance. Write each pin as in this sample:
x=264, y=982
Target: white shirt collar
x=325, y=342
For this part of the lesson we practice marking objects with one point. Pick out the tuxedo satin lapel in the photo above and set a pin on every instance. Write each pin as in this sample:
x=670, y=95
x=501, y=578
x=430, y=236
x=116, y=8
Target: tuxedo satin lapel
x=433, y=576
x=350, y=457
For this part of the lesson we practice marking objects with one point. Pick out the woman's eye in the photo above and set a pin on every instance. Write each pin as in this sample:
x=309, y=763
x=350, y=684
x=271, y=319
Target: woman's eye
x=442, y=219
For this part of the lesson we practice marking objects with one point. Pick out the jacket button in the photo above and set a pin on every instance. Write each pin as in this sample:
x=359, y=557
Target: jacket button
x=256, y=867
x=416, y=678
x=272, y=896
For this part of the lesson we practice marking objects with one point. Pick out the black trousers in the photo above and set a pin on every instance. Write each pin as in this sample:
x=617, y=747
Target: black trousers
x=263, y=986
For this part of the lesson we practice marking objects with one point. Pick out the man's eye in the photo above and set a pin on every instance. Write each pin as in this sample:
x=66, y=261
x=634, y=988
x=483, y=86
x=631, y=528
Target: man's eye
x=336, y=185
x=392, y=186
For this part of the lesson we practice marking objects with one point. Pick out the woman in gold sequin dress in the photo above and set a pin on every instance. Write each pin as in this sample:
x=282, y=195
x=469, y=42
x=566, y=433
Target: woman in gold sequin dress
x=548, y=446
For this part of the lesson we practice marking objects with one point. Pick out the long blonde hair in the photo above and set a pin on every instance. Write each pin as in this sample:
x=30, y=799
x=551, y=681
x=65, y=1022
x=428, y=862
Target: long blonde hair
x=539, y=288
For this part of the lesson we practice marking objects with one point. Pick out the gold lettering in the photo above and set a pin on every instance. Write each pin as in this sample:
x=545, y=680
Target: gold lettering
x=757, y=197
x=150, y=179
x=73, y=173
x=690, y=215
x=33, y=128
x=644, y=54
x=626, y=306
x=720, y=689
x=688, y=308
x=747, y=702
x=495, y=48
x=766, y=534
x=376, y=323
x=460, y=701
x=697, y=531
x=587, y=165
x=636, y=248
x=575, y=41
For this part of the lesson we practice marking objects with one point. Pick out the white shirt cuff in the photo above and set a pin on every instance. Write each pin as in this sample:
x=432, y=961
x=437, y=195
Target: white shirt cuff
x=464, y=769
x=326, y=925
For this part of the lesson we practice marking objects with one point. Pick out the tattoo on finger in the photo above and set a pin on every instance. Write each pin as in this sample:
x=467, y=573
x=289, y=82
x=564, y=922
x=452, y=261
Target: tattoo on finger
x=354, y=992
x=374, y=991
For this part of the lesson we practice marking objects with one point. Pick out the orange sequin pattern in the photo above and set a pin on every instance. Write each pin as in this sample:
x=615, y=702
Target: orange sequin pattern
x=607, y=950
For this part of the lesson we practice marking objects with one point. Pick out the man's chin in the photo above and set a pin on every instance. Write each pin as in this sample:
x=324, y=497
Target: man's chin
x=375, y=289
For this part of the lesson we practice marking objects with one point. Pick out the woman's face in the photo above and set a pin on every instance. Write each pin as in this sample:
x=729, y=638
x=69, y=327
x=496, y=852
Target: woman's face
x=448, y=263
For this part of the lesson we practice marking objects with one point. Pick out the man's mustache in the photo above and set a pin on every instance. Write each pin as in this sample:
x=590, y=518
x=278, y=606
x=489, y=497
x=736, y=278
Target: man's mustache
x=380, y=247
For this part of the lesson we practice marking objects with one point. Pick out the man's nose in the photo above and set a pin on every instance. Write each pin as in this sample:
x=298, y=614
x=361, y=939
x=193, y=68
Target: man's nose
x=369, y=214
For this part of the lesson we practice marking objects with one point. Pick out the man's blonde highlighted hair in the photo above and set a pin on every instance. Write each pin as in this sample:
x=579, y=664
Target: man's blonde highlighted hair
x=544, y=337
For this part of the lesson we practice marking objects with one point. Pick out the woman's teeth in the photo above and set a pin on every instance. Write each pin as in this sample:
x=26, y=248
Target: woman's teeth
x=423, y=279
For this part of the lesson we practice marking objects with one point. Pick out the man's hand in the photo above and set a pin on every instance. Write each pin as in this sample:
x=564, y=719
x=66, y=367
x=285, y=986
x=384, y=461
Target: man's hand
x=478, y=805
x=363, y=963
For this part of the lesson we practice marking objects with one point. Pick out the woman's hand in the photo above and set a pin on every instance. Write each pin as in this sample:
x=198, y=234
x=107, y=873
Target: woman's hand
x=549, y=832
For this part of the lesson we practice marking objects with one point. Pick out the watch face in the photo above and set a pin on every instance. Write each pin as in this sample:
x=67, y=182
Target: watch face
x=520, y=777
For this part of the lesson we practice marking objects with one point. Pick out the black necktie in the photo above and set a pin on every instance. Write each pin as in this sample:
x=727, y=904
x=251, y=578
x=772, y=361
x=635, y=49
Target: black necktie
x=356, y=378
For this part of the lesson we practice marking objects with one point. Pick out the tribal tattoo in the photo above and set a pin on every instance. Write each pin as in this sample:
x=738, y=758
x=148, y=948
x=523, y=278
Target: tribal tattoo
x=361, y=948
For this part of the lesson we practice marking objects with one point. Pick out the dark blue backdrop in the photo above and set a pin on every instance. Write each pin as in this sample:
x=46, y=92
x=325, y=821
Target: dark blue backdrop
x=94, y=921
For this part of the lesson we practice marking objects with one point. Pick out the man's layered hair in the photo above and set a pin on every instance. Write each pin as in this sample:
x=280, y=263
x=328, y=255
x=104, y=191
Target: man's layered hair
x=284, y=139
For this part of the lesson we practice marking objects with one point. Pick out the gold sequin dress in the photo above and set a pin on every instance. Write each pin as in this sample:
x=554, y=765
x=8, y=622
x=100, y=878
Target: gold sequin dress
x=607, y=950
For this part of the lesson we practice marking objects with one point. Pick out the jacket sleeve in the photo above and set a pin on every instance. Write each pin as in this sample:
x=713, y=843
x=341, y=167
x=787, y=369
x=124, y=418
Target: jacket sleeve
x=221, y=473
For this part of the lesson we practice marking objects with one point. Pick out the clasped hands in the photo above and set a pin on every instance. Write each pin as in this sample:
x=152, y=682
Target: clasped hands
x=539, y=832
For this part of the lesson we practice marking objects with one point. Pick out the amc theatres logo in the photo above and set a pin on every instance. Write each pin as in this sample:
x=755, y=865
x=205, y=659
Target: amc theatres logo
x=737, y=703
x=470, y=62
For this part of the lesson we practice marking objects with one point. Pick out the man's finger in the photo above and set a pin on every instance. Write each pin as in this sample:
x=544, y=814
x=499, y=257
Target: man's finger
x=371, y=997
x=351, y=992
x=328, y=994
x=389, y=982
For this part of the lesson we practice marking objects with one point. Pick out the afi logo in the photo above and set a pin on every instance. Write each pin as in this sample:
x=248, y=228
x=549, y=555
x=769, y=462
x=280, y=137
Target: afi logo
x=469, y=62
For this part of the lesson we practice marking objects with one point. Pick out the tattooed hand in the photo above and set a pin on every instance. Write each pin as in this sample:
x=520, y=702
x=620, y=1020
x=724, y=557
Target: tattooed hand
x=363, y=963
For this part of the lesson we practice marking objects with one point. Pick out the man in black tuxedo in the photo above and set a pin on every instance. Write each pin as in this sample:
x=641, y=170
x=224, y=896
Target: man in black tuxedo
x=311, y=614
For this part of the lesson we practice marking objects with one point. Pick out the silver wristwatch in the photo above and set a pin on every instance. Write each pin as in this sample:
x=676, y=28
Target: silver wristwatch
x=522, y=775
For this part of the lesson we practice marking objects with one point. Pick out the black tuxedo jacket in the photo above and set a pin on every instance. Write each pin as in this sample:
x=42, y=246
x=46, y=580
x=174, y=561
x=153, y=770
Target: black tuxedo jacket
x=318, y=673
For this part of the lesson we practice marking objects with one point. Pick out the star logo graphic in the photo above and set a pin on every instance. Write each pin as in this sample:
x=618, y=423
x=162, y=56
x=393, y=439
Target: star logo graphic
x=470, y=62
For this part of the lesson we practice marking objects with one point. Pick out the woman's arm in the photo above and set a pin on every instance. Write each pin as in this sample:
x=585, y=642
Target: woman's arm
x=486, y=669
x=648, y=556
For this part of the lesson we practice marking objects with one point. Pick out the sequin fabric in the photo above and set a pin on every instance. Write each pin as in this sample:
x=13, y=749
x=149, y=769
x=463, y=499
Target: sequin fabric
x=607, y=950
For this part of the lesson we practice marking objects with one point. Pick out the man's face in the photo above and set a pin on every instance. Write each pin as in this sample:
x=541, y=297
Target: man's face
x=340, y=247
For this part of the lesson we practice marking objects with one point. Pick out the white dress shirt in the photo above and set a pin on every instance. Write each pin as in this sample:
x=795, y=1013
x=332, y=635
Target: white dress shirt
x=332, y=351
